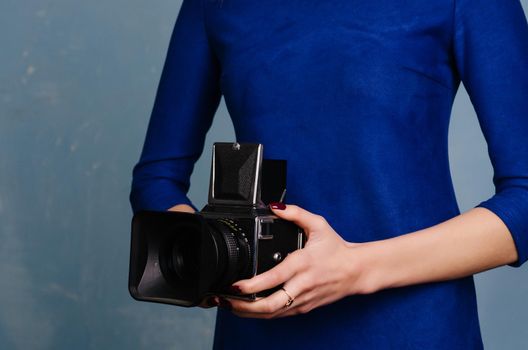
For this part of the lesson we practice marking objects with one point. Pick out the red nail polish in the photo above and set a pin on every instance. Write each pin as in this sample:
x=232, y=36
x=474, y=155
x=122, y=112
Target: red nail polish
x=235, y=290
x=225, y=304
x=277, y=205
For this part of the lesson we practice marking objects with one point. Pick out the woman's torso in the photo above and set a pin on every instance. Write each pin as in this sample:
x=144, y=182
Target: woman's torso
x=356, y=95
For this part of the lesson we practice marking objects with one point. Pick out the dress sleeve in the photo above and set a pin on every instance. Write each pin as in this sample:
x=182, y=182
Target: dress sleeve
x=186, y=101
x=491, y=54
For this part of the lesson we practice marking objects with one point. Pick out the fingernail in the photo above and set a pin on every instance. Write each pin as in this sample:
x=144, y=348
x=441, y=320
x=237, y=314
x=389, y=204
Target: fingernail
x=235, y=290
x=225, y=304
x=211, y=301
x=277, y=205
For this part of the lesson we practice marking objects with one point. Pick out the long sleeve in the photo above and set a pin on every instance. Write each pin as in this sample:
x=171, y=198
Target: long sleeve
x=491, y=54
x=187, y=99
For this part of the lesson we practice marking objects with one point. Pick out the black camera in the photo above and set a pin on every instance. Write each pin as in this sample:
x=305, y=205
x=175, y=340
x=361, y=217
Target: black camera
x=181, y=258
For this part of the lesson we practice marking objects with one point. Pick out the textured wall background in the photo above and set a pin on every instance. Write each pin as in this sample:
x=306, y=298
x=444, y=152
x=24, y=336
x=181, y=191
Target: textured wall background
x=77, y=82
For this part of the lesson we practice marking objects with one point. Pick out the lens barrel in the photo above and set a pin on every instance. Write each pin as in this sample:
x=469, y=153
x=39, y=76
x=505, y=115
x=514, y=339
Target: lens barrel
x=236, y=254
x=184, y=258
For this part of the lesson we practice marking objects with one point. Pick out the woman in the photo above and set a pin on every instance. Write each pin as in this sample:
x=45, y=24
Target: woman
x=356, y=95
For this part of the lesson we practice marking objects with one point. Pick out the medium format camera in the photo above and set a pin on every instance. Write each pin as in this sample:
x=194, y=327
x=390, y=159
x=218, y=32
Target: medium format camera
x=181, y=258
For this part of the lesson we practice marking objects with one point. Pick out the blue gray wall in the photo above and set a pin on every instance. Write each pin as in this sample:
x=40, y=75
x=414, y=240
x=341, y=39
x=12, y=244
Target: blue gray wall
x=77, y=82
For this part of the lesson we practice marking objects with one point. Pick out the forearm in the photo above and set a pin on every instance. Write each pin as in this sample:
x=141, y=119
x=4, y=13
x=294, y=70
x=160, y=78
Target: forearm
x=474, y=241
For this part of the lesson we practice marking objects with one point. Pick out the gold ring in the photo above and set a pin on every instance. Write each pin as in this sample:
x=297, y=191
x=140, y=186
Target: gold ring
x=290, y=298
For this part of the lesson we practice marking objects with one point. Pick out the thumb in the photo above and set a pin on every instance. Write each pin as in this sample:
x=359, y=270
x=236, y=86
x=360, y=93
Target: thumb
x=303, y=218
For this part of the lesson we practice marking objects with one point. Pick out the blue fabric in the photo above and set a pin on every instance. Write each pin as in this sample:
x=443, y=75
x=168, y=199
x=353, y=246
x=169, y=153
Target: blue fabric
x=357, y=96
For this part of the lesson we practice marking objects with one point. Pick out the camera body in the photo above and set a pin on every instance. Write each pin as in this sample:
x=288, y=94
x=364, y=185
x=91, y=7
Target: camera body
x=181, y=258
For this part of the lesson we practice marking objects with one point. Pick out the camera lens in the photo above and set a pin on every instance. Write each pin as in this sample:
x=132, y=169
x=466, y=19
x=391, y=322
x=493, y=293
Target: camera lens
x=183, y=264
x=213, y=258
x=234, y=252
x=180, y=256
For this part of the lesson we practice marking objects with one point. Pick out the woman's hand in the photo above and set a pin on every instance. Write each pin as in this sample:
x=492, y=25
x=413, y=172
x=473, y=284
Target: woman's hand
x=329, y=268
x=184, y=208
x=325, y=270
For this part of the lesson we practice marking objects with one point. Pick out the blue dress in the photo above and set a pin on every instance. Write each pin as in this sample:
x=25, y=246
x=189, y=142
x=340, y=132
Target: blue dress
x=357, y=96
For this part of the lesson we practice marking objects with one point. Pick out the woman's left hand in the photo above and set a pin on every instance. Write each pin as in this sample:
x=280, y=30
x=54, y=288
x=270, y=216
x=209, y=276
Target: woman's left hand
x=325, y=270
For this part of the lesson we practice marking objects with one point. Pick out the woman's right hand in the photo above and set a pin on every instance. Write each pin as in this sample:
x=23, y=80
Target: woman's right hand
x=185, y=208
x=210, y=301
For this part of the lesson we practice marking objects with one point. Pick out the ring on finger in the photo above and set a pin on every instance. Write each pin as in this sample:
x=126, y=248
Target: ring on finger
x=290, y=298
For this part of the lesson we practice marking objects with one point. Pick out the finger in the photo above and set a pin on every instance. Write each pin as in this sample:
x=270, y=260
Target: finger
x=269, y=305
x=303, y=218
x=307, y=302
x=292, y=264
x=296, y=288
x=301, y=305
x=272, y=306
x=283, y=312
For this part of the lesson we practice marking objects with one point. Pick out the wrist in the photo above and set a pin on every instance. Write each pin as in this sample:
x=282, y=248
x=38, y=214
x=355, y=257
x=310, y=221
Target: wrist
x=367, y=273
